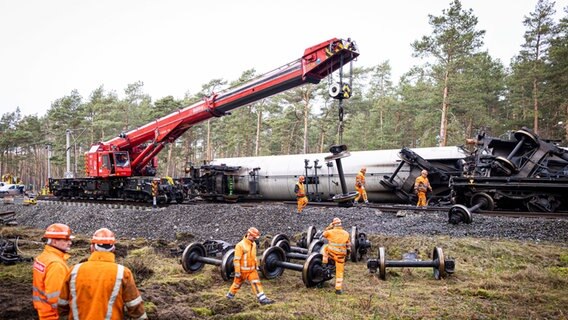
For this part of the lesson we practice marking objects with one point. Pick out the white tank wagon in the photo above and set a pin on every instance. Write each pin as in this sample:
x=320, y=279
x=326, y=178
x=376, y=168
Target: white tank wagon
x=277, y=175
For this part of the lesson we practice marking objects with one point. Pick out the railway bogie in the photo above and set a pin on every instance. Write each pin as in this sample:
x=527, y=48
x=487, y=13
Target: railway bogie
x=525, y=173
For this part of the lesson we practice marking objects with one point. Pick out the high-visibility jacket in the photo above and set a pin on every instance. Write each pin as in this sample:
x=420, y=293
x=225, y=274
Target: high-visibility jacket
x=424, y=181
x=338, y=241
x=100, y=289
x=360, y=179
x=245, y=256
x=300, y=190
x=49, y=271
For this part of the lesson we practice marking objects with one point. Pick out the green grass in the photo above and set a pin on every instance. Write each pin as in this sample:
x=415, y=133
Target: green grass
x=494, y=279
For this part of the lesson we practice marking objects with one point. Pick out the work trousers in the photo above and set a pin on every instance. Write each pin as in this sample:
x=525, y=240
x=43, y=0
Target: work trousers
x=421, y=199
x=339, y=260
x=252, y=277
x=362, y=193
x=302, y=203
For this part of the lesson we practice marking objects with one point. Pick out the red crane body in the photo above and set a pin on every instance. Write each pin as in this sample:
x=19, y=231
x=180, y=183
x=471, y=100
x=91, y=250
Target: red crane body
x=133, y=153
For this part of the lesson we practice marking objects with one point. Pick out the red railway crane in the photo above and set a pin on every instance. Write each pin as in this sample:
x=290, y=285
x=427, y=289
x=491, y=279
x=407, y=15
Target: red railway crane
x=133, y=153
x=119, y=168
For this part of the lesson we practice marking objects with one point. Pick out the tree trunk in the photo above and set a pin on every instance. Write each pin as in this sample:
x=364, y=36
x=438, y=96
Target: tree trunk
x=306, y=117
x=322, y=138
x=258, y=126
x=469, y=128
x=445, y=108
x=208, y=152
x=169, y=160
x=187, y=151
x=535, y=105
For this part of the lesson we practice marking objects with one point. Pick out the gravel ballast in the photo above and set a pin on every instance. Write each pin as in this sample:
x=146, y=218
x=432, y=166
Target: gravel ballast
x=229, y=222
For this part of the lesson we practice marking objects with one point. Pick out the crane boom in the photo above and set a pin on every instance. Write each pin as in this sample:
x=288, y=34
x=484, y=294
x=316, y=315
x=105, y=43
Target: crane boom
x=142, y=144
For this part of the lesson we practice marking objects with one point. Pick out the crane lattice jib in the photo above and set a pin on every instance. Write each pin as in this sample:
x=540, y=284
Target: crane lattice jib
x=317, y=63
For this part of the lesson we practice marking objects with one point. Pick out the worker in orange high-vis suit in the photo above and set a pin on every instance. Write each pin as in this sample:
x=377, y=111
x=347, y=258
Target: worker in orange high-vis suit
x=421, y=186
x=336, y=249
x=360, y=186
x=50, y=269
x=300, y=190
x=245, y=267
x=101, y=288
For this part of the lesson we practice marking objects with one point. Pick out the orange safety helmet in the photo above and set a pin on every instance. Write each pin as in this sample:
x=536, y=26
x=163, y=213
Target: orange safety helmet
x=301, y=178
x=58, y=231
x=253, y=232
x=103, y=236
x=336, y=221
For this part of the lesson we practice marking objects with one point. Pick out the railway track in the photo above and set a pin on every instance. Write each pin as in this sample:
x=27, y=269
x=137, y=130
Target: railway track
x=401, y=207
x=120, y=204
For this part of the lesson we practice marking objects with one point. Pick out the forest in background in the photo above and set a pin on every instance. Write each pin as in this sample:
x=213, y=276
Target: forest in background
x=458, y=90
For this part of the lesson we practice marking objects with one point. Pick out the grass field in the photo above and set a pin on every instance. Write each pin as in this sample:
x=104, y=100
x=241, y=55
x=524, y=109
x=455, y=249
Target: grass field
x=494, y=279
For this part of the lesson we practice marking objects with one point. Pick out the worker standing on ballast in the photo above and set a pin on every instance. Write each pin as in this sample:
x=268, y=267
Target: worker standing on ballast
x=300, y=190
x=50, y=269
x=360, y=186
x=421, y=186
x=337, y=249
x=245, y=267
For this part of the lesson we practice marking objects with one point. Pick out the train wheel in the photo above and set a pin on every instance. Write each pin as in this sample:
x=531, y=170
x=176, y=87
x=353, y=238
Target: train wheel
x=387, y=183
x=542, y=203
x=482, y=197
x=506, y=165
x=529, y=137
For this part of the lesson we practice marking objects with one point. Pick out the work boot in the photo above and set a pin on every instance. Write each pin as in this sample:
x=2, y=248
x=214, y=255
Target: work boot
x=366, y=202
x=338, y=291
x=265, y=301
x=230, y=296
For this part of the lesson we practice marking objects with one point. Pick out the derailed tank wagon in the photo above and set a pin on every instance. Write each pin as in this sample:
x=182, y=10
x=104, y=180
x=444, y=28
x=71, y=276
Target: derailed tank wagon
x=524, y=173
x=275, y=176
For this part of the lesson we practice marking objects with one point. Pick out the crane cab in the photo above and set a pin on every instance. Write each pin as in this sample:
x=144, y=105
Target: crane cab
x=105, y=164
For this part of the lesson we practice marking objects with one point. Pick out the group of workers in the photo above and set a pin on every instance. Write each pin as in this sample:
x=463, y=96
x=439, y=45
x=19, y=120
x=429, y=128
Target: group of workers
x=102, y=289
x=421, y=187
x=246, y=266
x=98, y=288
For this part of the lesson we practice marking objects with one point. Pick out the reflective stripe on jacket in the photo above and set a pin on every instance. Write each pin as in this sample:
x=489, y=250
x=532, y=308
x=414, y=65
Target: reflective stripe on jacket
x=101, y=289
x=245, y=256
x=49, y=271
x=338, y=240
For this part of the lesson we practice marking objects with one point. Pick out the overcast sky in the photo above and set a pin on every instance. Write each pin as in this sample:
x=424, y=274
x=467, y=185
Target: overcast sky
x=49, y=48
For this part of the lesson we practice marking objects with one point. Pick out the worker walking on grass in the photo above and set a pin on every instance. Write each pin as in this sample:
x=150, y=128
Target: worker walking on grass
x=421, y=186
x=337, y=249
x=50, y=269
x=101, y=288
x=245, y=267
x=360, y=185
x=300, y=190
